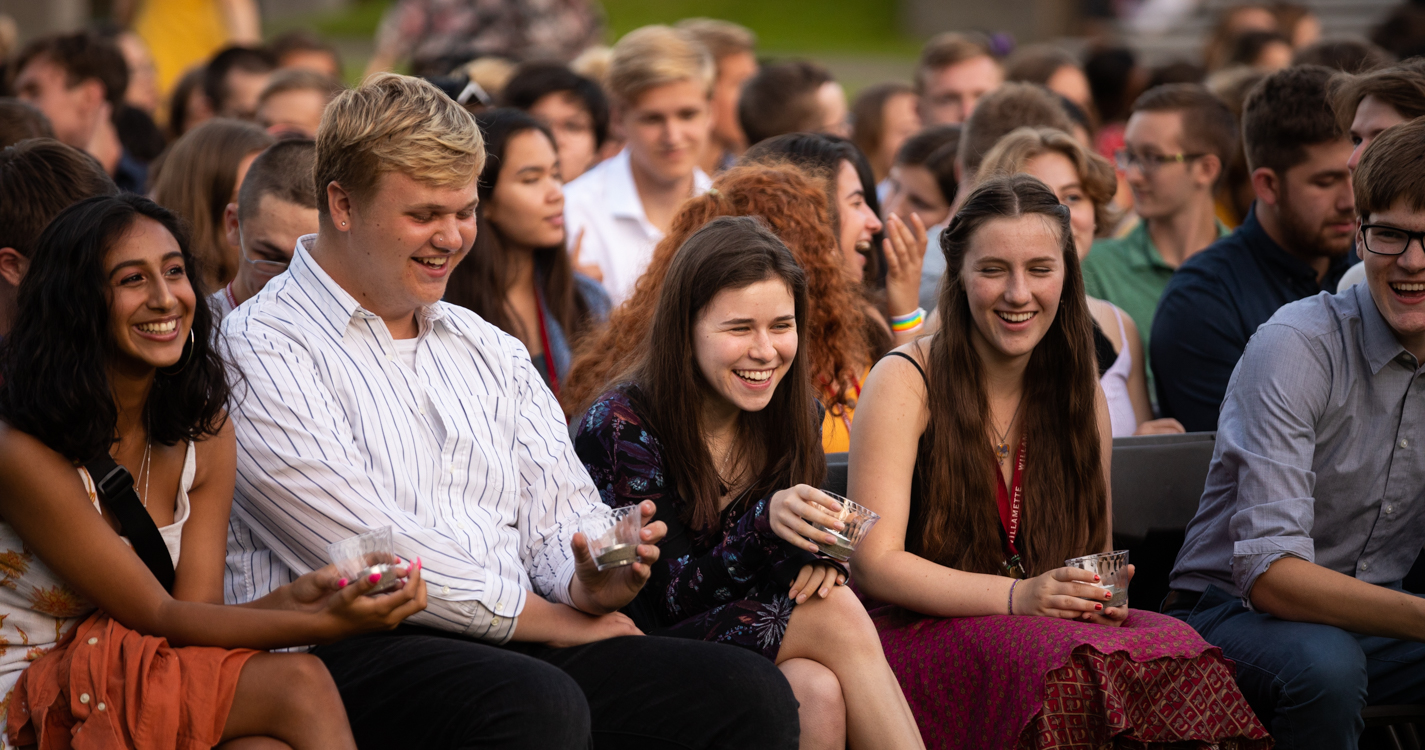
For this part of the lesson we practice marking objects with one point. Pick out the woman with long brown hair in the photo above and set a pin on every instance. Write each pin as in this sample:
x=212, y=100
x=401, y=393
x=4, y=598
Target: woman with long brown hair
x=715, y=422
x=197, y=177
x=518, y=275
x=985, y=449
x=794, y=207
x=1084, y=182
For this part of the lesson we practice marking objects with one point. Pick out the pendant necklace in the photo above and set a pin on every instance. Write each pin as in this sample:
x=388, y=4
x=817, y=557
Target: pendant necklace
x=1002, y=447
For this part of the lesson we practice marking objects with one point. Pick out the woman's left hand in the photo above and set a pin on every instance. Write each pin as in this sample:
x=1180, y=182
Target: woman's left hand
x=904, y=247
x=1113, y=616
x=815, y=579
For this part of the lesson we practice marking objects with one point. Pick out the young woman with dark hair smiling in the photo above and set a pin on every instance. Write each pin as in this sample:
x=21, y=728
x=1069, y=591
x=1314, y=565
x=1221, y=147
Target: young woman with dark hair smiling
x=985, y=449
x=518, y=275
x=716, y=422
x=111, y=358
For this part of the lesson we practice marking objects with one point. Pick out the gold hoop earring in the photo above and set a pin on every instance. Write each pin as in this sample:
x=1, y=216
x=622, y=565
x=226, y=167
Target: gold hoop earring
x=187, y=357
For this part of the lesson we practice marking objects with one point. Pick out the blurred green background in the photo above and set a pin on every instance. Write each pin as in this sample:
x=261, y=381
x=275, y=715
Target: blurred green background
x=858, y=40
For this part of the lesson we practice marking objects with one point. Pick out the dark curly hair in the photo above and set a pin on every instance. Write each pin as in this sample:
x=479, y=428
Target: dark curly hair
x=54, y=365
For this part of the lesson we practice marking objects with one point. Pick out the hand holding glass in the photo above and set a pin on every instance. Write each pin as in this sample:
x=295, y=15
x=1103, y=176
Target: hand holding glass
x=368, y=554
x=613, y=536
x=1112, y=570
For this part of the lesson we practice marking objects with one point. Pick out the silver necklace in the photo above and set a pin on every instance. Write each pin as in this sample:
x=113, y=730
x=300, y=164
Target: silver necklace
x=1002, y=446
x=145, y=469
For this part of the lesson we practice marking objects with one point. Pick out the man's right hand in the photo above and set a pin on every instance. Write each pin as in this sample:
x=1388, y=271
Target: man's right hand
x=590, y=628
x=559, y=625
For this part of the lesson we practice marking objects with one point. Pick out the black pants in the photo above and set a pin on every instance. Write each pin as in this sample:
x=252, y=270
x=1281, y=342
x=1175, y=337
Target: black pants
x=424, y=689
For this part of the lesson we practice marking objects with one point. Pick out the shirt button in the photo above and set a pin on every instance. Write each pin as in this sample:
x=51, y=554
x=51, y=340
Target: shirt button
x=93, y=641
x=421, y=412
x=390, y=358
x=445, y=589
x=496, y=621
x=83, y=697
x=1404, y=443
x=499, y=607
x=100, y=706
x=1390, y=509
x=450, y=468
x=1365, y=566
x=460, y=525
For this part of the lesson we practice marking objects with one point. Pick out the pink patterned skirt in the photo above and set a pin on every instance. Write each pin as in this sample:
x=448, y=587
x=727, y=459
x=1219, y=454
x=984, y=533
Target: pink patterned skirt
x=1039, y=683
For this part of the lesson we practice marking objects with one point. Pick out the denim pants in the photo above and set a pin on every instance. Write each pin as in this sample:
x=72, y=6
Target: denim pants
x=1308, y=682
x=420, y=688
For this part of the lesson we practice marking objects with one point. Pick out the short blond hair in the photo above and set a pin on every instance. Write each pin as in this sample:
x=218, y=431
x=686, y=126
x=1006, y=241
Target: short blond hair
x=722, y=38
x=1096, y=175
x=656, y=56
x=395, y=123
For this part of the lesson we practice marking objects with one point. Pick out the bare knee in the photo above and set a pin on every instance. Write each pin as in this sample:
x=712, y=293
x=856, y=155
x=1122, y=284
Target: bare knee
x=838, y=622
x=307, y=685
x=822, y=709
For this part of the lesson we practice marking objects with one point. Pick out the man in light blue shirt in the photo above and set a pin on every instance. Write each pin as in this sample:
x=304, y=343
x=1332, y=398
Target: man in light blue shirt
x=1314, y=508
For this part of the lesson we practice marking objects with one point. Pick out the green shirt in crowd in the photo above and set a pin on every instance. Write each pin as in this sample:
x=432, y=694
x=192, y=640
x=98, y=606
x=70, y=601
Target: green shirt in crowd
x=1129, y=272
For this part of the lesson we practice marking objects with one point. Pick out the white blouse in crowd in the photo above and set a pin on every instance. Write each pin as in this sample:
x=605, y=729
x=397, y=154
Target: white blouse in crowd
x=1122, y=418
x=37, y=608
x=602, y=206
x=466, y=454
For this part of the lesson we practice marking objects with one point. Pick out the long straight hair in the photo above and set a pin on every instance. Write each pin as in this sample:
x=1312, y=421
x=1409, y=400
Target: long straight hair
x=780, y=445
x=956, y=522
x=481, y=283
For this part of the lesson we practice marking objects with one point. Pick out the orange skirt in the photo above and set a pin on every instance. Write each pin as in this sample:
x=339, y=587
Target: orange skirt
x=105, y=686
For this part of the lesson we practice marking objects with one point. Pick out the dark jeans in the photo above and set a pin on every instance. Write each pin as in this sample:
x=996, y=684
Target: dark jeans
x=415, y=687
x=1308, y=682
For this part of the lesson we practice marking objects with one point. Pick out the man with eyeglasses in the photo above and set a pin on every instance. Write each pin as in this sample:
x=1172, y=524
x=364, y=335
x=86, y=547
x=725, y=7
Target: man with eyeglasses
x=1315, y=502
x=276, y=206
x=1176, y=143
x=1295, y=242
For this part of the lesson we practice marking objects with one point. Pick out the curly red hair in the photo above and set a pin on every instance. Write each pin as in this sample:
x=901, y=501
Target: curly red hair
x=793, y=204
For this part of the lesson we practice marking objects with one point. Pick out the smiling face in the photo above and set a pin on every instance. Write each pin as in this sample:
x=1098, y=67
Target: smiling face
x=667, y=130
x=1013, y=275
x=404, y=240
x=1055, y=170
x=1397, y=282
x=744, y=341
x=858, y=222
x=527, y=204
x=573, y=129
x=150, y=298
x=1372, y=116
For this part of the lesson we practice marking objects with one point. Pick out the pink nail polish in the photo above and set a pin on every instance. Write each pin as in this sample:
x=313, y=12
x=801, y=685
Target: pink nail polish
x=342, y=583
x=373, y=578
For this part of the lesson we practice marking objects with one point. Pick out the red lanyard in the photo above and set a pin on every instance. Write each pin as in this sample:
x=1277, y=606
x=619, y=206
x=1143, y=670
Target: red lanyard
x=1010, y=501
x=544, y=342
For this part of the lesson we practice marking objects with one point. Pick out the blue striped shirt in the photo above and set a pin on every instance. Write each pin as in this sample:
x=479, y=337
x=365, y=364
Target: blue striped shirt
x=467, y=455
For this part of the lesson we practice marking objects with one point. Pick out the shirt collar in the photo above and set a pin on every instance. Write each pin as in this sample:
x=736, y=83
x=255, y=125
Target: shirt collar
x=1255, y=238
x=623, y=200
x=1378, y=341
x=334, y=305
x=1145, y=254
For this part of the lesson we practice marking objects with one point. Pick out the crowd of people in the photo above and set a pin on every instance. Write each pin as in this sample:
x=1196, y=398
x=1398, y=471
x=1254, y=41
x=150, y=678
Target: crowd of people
x=248, y=312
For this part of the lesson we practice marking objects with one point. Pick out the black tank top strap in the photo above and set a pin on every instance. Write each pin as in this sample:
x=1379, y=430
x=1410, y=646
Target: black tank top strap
x=911, y=360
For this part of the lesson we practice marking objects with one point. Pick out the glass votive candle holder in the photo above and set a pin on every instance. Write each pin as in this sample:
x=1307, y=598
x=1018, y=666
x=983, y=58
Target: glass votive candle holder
x=367, y=554
x=1111, y=568
x=613, y=536
x=858, y=519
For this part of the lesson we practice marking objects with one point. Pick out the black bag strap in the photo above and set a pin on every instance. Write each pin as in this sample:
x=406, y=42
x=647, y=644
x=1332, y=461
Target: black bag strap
x=116, y=490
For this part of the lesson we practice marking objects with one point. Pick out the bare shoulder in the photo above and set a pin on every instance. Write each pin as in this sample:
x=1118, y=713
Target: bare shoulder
x=22, y=452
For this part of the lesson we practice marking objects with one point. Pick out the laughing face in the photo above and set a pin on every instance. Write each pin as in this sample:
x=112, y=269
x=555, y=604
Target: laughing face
x=150, y=298
x=1397, y=282
x=1013, y=275
x=405, y=239
x=744, y=342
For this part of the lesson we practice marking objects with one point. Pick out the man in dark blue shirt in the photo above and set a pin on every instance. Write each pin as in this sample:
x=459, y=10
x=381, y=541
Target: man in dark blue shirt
x=1294, y=243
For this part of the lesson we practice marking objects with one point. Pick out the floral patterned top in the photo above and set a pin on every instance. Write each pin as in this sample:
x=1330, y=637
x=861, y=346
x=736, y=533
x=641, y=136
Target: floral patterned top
x=37, y=608
x=727, y=584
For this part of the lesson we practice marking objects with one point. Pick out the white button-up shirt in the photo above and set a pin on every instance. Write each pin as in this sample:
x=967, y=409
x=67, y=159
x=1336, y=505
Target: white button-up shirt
x=467, y=455
x=603, y=203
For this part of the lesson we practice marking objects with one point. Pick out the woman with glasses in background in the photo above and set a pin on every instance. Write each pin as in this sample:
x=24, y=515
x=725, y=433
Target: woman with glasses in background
x=275, y=208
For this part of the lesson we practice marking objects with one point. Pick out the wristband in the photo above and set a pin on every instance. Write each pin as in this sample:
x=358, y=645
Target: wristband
x=1011, y=595
x=908, y=322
